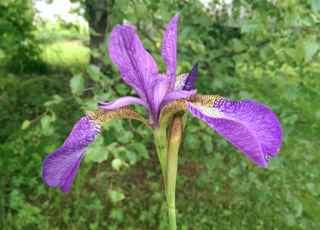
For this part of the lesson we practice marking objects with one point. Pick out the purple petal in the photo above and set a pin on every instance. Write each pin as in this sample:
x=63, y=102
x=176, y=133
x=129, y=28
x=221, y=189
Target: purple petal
x=169, y=47
x=176, y=95
x=191, y=79
x=60, y=167
x=250, y=126
x=121, y=102
x=160, y=89
x=135, y=64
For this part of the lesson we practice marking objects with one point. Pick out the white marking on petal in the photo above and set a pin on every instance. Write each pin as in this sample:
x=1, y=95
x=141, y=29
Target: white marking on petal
x=180, y=81
x=209, y=111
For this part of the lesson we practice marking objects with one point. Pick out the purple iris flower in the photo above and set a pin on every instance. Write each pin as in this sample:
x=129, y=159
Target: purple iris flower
x=249, y=125
x=139, y=70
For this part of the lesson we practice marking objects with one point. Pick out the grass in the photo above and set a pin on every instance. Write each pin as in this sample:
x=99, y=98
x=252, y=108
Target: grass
x=66, y=55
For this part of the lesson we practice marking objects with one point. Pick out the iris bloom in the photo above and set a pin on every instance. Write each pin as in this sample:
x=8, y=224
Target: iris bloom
x=248, y=125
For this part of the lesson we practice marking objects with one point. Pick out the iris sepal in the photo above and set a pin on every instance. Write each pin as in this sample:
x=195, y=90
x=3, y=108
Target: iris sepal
x=248, y=125
x=60, y=167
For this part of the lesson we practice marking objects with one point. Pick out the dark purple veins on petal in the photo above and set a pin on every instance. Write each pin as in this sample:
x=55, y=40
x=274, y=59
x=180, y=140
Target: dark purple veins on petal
x=169, y=46
x=250, y=126
x=60, y=167
x=136, y=65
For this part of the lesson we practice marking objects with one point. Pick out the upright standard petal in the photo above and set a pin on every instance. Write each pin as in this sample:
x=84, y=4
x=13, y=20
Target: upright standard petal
x=121, y=102
x=135, y=64
x=159, y=91
x=60, y=167
x=250, y=126
x=169, y=47
x=187, y=81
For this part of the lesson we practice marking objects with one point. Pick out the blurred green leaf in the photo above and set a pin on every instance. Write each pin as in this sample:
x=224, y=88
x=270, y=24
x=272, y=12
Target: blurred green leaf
x=97, y=152
x=125, y=137
x=77, y=84
x=94, y=72
x=25, y=124
x=115, y=196
x=117, y=214
x=141, y=149
x=311, y=47
x=116, y=164
x=315, y=5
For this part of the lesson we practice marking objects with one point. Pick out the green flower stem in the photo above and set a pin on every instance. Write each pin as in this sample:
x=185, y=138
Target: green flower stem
x=167, y=151
x=160, y=138
x=172, y=167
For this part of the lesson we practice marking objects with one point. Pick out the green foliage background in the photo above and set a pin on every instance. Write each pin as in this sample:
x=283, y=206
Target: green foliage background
x=265, y=50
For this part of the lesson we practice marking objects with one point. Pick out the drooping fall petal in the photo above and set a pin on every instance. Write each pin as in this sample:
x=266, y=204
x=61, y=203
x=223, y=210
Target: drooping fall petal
x=250, y=126
x=60, y=167
x=169, y=48
x=135, y=64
